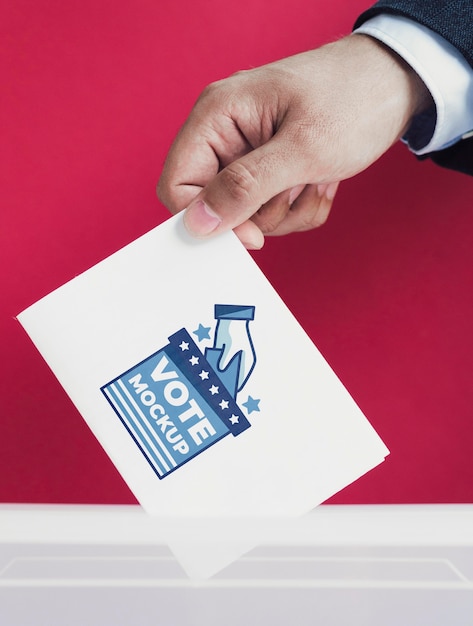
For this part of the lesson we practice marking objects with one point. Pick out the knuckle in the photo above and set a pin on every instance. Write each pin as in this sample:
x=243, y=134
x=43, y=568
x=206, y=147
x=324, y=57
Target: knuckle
x=319, y=220
x=269, y=226
x=313, y=220
x=209, y=90
x=239, y=182
x=214, y=91
x=268, y=219
x=162, y=192
x=165, y=194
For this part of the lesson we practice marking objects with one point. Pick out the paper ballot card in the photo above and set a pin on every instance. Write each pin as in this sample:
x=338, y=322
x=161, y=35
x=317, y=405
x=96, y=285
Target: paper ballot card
x=199, y=383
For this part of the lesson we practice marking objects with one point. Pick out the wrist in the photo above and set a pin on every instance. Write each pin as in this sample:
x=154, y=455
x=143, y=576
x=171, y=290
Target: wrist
x=398, y=81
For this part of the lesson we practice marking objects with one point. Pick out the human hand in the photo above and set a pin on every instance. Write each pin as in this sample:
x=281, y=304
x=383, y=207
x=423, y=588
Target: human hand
x=262, y=152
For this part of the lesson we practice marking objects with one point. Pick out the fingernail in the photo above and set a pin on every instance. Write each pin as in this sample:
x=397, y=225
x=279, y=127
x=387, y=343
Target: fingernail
x=200, y=220
x=295, y=193
x=255, y=242
x=331, y=191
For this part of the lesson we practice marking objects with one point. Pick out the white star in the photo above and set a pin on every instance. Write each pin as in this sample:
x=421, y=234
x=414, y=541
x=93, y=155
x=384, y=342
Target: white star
x=223, y=404
x=184, y=346
x=213, y=389
x=194, y=360
x=204, y=375
x=234, y=419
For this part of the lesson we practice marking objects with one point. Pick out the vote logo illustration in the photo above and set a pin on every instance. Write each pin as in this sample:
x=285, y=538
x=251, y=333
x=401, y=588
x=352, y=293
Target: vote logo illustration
x=183, y=399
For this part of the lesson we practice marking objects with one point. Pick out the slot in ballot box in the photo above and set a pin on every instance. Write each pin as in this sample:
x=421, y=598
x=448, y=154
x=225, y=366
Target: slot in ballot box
x=339, y=565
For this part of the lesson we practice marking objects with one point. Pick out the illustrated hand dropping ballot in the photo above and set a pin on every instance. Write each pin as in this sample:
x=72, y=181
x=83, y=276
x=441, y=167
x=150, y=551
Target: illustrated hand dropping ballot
x=206, y=393
x=233, y=354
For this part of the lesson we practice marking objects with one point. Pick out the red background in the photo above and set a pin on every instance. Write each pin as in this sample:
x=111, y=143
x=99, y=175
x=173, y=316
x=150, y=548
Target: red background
x=92, y=93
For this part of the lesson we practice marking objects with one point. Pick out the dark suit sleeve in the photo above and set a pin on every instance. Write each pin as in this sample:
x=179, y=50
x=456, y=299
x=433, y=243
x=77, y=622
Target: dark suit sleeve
x=453, y=20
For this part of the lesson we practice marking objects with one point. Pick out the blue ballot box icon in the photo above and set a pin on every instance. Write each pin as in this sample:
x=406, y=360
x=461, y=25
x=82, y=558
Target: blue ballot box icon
x=181, y=400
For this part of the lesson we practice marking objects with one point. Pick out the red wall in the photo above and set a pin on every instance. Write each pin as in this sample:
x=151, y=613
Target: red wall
x=92, y=93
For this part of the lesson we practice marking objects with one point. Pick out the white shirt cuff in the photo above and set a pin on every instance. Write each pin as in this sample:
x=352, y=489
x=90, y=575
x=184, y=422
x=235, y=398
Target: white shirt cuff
x=444, y=71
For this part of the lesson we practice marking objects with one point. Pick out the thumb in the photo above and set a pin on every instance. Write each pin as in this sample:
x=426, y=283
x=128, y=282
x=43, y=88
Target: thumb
x=241, y=188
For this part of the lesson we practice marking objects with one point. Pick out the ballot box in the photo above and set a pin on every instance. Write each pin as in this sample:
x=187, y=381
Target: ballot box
x=350, y=565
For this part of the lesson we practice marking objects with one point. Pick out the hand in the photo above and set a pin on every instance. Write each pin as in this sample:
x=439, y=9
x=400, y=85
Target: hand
x=262, y=152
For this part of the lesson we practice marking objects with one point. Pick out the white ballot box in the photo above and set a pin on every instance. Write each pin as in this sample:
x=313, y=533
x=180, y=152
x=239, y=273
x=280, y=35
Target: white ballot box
x=339, y=565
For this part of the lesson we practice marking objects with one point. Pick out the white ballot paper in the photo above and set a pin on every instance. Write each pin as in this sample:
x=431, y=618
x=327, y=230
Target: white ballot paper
x=206, y=393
